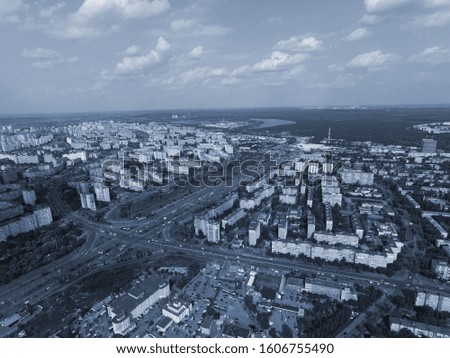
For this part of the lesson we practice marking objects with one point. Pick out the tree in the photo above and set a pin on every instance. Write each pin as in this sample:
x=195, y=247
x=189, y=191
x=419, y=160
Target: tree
x=268, y=293
x=263, y=320
x=272, y=333
x=286, y=331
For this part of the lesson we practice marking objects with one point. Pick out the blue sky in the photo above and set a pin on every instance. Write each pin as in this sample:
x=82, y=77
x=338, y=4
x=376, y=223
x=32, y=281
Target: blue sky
x=84, y=55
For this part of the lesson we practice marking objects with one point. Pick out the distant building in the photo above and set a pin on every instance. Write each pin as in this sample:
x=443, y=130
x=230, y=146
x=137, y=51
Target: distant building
x=303, y=188
x=233, y=218
x=351, y=176
x=328, y=217
x=327, y=168
x=282, y=229
x=419, y=329
x=102, y=193
x=350, y=254
x=311, y=222
x=40, y=217
x=331, y=191
x=9, y=210
x=429, y=146
x=88, y=201
x=357, y=227
x=435, y=300
x=76, y=155
x=313, y=167
x=334, y=238
x=441, y=268
x=43, y=216
x=288, y=199
x=254, y=232
x=83, y=187
x=29, y=197
x=437, y=226
x=310, y=197
x=213, y=231
x=200, y=222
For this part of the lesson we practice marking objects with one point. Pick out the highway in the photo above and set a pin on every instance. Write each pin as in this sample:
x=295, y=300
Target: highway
x=153, y=234
x=43, y=281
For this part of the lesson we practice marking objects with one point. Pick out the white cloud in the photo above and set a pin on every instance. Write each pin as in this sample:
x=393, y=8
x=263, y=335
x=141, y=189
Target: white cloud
x=279, y=60
x=43, y=64
x=372, y=60
x=99, y=17
x=182, y=25
x=51, y=11
x=438, y=18
x=299, y=44
x=137, y=65
x=189, y=27
x=196, y=53
x=370, y=19
x=132, y=50
x=40, y=53
x=46, y=58
x=358, y=34
x=129, y=9
x=10, y=10
x=373, y=6
x=199, y=74
x=432, y=55
x=162, y=45
x=230, y=81
x=437, y=3
x=295, y=72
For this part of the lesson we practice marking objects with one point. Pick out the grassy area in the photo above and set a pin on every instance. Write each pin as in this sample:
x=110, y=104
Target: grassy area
x=60, y=309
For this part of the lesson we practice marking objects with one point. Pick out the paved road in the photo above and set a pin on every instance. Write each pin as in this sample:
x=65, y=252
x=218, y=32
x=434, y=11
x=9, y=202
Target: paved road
x=144, y=235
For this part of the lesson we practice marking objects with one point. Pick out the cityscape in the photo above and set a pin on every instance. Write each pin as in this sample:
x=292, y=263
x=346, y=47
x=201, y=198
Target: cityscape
x=202, y=169
x=198, y=226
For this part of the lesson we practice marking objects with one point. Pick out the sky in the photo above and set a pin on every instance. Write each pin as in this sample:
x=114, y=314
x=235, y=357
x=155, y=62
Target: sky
x=94, y=55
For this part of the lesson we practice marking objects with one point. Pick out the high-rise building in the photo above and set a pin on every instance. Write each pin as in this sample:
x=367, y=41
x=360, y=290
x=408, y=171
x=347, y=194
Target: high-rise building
x=29, y=197
x=311, y=225
x=84, y=187
x=213, y=231
x=102, y=193
x=88, y=201
x=44, y=216
x=282, y=229
x=328, y=217
x=429, y=146
x=254, y=232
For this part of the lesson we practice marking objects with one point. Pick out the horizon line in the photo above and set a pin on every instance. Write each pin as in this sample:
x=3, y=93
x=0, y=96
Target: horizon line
x=187, y=109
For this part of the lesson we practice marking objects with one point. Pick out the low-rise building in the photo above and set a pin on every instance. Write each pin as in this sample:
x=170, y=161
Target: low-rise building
x=441, y=268
x=435, y=300
x=335, y=238
x=419, y=329
x=131, y=305
x=177, y=310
